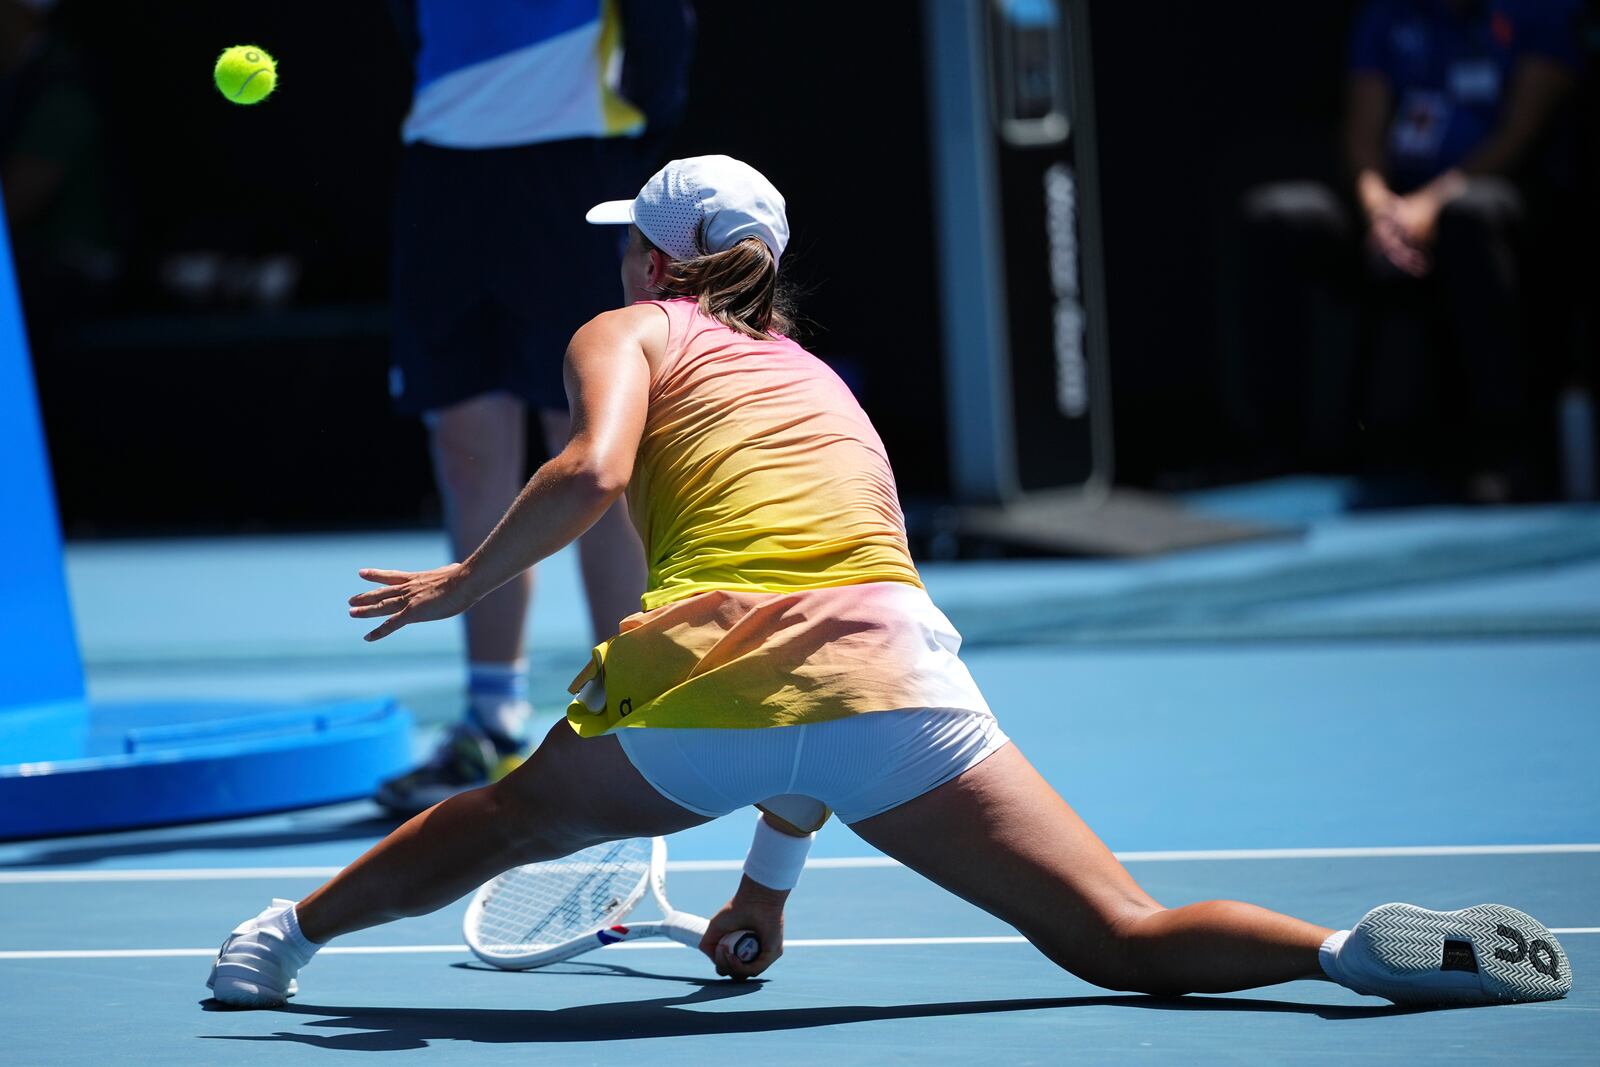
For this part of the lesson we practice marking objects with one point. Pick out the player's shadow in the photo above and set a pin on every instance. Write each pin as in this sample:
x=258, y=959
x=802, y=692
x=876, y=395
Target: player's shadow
x=591, y=967
x=398, y=1029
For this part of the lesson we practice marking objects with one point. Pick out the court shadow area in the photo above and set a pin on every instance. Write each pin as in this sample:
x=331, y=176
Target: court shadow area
x=241, y=840
x=396, y=1029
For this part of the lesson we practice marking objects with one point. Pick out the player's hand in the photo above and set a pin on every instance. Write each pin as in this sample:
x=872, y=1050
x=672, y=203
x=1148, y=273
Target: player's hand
x=756, y=908
x=411, y=596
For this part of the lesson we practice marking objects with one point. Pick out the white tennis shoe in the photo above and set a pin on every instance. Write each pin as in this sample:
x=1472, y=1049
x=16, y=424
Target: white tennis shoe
x=257, y=964
x=1488, y=954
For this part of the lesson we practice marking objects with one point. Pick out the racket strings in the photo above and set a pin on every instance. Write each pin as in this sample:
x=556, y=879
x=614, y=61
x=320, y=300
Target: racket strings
x=546, y=904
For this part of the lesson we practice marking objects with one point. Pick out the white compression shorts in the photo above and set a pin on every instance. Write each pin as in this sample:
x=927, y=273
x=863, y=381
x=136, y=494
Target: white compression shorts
x=860, y=766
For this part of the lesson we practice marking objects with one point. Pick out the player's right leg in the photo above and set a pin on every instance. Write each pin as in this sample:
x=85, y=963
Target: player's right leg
x=480, y=458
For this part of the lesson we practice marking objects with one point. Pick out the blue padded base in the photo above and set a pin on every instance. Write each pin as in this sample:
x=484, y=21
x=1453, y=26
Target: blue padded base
x=145, y=764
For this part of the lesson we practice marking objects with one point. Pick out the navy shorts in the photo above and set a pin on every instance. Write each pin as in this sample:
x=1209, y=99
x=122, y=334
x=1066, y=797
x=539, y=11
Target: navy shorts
x=495, y=269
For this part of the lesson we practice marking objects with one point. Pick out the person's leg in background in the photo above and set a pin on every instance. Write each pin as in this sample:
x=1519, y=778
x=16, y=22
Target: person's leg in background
x=1399, y=433
x=480, y=457
x=1476, y=261
x=479, y=450
x=452, y=354
x=492, y=319
x=480, y=462
x=1295, y=337
x=609, y=554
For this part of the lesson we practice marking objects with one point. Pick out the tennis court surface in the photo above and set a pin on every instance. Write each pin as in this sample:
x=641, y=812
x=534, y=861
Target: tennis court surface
x=1401, y=707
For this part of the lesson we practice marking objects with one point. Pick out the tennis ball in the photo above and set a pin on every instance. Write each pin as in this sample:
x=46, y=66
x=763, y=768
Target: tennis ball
x=246, y=74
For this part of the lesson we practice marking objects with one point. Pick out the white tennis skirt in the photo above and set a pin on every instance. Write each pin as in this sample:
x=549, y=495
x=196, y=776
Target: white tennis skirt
x=860, y=766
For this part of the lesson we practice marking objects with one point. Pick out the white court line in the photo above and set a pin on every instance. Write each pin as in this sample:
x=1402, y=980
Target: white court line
x=215, y=874
x=1356, y=853
x=630, y=946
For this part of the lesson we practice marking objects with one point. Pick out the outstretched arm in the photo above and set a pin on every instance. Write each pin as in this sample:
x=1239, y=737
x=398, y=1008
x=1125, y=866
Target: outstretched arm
x=608, y=381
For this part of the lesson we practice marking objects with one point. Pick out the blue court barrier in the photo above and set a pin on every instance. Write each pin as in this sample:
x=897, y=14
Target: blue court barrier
x=68, y=765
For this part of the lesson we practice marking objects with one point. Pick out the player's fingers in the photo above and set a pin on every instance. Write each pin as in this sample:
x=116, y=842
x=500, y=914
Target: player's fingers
x=373, y=596
x=388, y=628
x=382, y=607
x=722, y=959
x=374, y=574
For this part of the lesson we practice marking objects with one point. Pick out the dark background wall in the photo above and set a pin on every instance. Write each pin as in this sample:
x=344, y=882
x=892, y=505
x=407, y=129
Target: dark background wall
x=170, y=411
x=1197, y=105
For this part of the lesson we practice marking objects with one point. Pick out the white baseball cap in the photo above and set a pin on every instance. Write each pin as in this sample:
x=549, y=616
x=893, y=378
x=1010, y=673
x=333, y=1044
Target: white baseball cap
x=716, y=200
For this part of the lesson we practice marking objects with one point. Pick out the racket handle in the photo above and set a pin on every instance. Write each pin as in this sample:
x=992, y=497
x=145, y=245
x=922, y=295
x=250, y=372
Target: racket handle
x=742, y=945
x=687, y=929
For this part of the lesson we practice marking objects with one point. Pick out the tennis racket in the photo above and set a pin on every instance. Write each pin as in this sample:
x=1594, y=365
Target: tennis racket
x=543, y=913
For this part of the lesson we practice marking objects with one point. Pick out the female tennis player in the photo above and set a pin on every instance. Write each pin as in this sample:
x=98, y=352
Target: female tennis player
x=788, y=656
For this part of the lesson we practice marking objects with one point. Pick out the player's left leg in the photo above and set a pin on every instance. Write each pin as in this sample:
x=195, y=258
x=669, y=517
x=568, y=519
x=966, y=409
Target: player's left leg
x=571, y=793
x=1001, y=837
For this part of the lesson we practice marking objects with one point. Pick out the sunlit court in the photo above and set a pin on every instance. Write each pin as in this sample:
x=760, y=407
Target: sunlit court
x=1071, y=523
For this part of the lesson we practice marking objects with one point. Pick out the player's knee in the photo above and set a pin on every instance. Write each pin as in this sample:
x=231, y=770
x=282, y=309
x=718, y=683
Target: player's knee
x=1307, y=209
x=532, y=821
x=465, y=469
x=1113, y=954
x=526, y=831
x=1124, y=957
x=1144, y=956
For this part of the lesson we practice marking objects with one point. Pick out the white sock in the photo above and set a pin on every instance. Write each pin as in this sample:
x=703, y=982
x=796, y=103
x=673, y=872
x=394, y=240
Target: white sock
x=497, y=695
x=1328, y=956
x=289, y=924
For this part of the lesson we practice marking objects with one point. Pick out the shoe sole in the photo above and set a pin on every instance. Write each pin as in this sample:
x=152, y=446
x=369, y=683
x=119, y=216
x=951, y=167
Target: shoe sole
x=241, y=994
x=1513, y=958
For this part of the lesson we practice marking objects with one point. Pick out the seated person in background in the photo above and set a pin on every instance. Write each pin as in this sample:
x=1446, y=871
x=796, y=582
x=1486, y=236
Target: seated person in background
x=1447, y=102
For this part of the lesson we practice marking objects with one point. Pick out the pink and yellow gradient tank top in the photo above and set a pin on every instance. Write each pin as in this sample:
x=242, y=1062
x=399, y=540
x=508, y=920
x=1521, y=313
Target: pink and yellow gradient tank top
x=759, y=472
x=781, y=588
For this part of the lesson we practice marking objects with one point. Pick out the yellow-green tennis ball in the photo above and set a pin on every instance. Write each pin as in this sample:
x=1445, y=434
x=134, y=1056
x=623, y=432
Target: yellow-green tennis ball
x=246, y=74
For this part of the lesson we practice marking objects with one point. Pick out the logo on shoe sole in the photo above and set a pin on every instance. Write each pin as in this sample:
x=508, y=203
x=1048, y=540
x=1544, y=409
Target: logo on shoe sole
x=1458, y=957
x=1539, y=952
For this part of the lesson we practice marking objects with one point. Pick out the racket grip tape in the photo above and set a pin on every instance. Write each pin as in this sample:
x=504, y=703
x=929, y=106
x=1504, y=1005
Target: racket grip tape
x=742, y=945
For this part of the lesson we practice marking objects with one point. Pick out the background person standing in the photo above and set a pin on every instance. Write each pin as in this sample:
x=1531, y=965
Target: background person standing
x=524, y=113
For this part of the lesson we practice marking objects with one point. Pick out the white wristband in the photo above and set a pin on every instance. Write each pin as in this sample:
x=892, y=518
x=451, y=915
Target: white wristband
x=776, y=858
